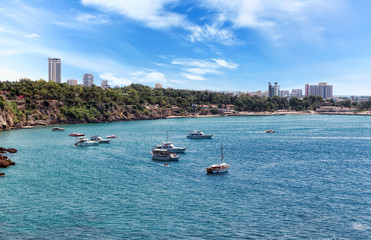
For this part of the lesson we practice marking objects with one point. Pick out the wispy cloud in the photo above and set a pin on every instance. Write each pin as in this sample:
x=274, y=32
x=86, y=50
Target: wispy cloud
x=33, y=36
x=149, y=77
x=193, y=77
x=153, y=13
x=209, y=33
x=115, y=80
x=91, y=19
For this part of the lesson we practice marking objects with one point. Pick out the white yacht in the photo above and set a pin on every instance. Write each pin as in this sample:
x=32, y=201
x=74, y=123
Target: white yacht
x=85, y=142
x=99, y=139
x=197, y=134
x=171, y=148
x=164, y=155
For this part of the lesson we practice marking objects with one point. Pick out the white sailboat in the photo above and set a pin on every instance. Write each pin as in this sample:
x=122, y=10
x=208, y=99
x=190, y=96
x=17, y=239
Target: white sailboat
x=218, y=168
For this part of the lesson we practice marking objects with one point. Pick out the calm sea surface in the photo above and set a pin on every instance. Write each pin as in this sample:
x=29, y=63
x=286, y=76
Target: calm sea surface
x=311, y=179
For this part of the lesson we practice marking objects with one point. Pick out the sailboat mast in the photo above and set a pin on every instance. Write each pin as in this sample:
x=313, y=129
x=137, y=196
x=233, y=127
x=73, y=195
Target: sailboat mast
x=221, y=151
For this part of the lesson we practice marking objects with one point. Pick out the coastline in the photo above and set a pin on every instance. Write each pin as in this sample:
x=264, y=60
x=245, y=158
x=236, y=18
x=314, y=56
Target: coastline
x=237, y=114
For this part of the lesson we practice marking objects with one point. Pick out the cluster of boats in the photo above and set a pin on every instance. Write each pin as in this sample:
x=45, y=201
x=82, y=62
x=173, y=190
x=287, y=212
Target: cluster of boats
x=167, y=152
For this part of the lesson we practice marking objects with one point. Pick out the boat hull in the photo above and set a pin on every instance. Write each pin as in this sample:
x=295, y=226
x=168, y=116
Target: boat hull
x=86, y=144
x=200, y=137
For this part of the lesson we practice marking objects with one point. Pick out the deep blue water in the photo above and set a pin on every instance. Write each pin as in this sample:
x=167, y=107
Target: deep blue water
x=311, y=179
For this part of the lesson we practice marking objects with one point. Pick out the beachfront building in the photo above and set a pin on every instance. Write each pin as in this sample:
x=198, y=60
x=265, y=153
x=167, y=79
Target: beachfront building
x=273, y=90
x=72, y=82
x=158, y=85
x=285, y=93
x=322, y=89
x=88, y=79
x=104, y=84
x=54, y=70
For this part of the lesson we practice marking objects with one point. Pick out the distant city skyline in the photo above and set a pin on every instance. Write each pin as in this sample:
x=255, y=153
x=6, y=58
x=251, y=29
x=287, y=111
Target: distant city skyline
x=212, y=44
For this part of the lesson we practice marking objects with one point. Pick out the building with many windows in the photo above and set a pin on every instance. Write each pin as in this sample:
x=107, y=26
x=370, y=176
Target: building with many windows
x=72, y=82
x=297, y=93
x=158, y=85
x=322, y=89
x=273, y=90
x=54, y=70
x=88, y=79
x=104, y=84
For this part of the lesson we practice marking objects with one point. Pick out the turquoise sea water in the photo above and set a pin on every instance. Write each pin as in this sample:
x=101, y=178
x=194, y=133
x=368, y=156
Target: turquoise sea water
x=311, y=179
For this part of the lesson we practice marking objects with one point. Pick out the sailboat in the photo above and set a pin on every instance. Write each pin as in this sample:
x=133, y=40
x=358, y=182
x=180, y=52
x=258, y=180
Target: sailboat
x=219, y=168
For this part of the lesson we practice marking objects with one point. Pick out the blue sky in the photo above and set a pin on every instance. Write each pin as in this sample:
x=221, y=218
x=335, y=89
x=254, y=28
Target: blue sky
x=200, y=44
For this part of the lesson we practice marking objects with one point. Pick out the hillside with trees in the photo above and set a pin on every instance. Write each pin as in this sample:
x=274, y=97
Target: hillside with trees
x=33, y=102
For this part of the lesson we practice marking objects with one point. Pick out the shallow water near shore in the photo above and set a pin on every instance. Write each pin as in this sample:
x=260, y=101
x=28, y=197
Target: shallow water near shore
x=310, y=179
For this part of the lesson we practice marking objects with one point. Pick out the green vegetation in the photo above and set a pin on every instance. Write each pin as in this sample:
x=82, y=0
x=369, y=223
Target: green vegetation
x=76, y=103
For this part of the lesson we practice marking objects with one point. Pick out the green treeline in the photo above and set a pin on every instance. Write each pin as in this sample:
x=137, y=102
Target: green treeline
x=79, y=102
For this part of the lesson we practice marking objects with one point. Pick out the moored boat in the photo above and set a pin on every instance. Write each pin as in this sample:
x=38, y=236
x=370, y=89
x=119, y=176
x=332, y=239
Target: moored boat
x=164, y=155
x=111, y=136
x=99, y=139
x=76, y=135
x=57, y=129
x=270, y=131
x=85, y=142
x=197, y=134
x=218, y=168
x=170, y=147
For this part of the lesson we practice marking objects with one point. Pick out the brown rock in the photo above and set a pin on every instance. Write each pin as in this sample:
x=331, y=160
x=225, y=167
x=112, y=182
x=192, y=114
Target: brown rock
x=11, y=150
x=4, y=163
x=11, y=163
x=2, y=174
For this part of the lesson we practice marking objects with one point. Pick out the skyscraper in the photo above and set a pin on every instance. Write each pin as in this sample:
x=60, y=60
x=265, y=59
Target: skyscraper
x=273, y=90
x=88, y=79
x=54, y=70
x=322, y=89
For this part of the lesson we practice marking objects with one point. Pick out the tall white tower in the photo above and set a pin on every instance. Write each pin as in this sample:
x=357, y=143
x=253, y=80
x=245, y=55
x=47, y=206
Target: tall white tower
x=54, y=70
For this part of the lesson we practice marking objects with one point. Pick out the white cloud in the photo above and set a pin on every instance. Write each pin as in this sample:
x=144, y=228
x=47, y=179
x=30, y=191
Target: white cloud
x=33, y=36
x=149, y=77
x=208, y=64
x=153, y=13
x=89, y=18
x=202, y=71
x=209, y=33
x=115, y=80
x=193, y=77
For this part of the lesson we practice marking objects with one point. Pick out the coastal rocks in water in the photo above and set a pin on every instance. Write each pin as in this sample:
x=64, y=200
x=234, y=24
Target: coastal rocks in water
x=11, y=150
x=2, y=174
x=4, y=161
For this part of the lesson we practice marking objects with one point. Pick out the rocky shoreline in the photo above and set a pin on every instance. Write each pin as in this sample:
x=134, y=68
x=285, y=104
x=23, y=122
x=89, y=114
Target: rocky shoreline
x=4, y=160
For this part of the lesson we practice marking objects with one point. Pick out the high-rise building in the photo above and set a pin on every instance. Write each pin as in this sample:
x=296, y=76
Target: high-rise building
x=297, y=93
x=54, y=70
x=88, y=79
x=158, y=85
x=273, y=90
x=322, y=89
x=284, y=93
x=72, y=82
x=104, y=84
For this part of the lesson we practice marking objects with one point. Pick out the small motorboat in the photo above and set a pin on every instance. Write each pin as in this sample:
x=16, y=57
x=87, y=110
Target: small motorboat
x=171, y=148
x=76, y=135
x=111, y=136
x=85, y=142
x=197, y=134
x=270, y=131
x=99, y=139
x=164, y=155
x=218, y=168
x=57, y=129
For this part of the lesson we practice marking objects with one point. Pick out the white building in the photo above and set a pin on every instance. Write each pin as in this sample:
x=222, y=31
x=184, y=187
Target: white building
x=88, y=79
x=54, y=70
x=104, y=84
x=72, y=82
